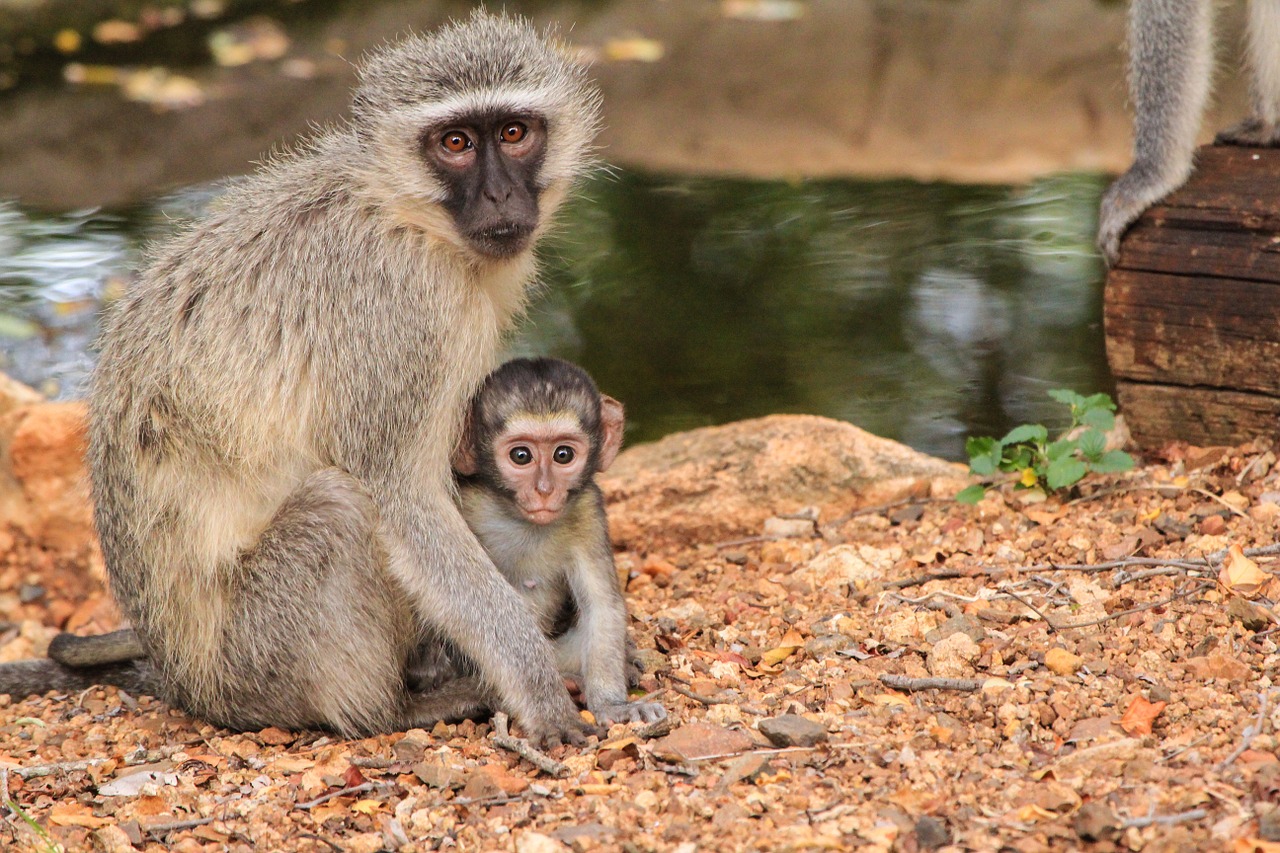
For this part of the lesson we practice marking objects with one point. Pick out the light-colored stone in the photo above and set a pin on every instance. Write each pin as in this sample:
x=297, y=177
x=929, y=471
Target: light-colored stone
x=1062, y=662
x=953, y=656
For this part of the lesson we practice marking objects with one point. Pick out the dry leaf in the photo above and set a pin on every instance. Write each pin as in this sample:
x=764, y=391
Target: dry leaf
x=990, y=685
x=1241, y=575
x=366, y=807
x=888, y=699
x=75, y=814
x=1140, y=715
x=1255, y=845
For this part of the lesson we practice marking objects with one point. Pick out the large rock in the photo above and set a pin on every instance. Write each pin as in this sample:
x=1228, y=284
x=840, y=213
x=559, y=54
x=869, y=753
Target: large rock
x=44, y=488
x=722, y=482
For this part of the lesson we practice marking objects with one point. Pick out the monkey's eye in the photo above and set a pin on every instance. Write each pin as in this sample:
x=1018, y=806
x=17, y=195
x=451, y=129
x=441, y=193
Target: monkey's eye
x=520, y=455
x=563, y=455
x=514, y=132
x=455, y=142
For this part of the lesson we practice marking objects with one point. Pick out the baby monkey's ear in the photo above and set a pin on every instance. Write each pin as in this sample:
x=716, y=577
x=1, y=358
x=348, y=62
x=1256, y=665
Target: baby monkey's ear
x=464, y=454
x=612, y=423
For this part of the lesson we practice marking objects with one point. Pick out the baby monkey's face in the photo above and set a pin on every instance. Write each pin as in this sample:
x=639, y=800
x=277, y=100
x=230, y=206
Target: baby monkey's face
x=542, y=461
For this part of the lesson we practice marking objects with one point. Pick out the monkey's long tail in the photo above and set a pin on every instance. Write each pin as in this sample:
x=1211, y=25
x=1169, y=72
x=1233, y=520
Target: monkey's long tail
x=32, y=677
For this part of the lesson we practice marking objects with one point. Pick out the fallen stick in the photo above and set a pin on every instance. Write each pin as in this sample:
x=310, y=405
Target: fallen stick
x=1250, y=732
x=503, y=739
x=37, y=770
x=905, y=682
x=344, y=792
x=1164, y=820
x=162, y=828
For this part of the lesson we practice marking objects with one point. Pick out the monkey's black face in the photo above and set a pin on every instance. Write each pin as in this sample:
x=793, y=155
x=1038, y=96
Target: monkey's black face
x=489, y=165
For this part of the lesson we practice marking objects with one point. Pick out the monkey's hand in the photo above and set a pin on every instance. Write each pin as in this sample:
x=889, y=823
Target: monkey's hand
x=1253, y=132
x=630, y=712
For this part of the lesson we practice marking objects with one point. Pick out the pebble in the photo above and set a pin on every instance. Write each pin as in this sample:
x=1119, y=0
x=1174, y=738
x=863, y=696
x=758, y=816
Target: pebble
x=1096, y=822
x=932, y=833
x=792, y=730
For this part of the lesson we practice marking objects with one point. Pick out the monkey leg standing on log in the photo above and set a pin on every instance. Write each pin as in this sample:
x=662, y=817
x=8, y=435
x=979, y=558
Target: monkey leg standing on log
x=1170, y=70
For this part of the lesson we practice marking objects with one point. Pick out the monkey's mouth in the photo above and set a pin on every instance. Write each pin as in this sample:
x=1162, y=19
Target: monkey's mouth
x=542, y=516
x=501, y=240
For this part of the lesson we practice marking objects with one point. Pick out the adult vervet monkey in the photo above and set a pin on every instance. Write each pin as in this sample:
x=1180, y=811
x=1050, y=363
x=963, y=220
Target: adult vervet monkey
x=273, y=413
x=1170, y=70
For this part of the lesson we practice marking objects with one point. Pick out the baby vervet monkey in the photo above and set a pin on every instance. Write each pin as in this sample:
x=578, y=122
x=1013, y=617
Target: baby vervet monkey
x=537, y=433
x=1170, y=66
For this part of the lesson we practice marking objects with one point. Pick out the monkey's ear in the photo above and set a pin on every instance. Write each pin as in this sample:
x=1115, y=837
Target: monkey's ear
x=464, y=454
x=612, y=423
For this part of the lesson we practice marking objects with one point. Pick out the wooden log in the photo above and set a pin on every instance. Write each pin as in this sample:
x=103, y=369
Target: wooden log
x=1192, y=307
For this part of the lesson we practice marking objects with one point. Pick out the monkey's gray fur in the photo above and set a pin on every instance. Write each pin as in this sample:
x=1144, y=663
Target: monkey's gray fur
x=564, y=569
x=1170, y=71
x=277, y=399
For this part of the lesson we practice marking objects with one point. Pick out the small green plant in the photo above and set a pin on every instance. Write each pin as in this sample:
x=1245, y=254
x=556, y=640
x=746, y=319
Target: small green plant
x=1050, y=465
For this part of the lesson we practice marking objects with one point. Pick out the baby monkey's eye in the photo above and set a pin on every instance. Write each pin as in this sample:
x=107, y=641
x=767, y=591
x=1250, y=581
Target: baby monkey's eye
x=563, y=455
x=520, y=455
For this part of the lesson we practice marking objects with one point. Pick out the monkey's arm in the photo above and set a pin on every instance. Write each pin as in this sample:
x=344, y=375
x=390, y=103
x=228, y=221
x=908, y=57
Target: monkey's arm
x=115, y=647
x=454, y=587
x=599, y=641
x=1170, y=65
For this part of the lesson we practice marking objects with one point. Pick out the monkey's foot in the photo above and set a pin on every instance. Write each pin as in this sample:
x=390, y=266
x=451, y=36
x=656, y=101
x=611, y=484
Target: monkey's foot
x=630, y=712
x=1252, y=132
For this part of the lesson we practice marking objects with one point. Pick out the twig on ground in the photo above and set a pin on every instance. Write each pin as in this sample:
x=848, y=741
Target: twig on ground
x=698, y=697
x=161, y=828
x=1218, y=499
x=1250, y=732
x=1049, y=623
x=371, y=762
x=747, y=540
x=503, y=739
x=723, y=755
x=4, y=788
x=919, y=580
x=1164, y=820
x=495, y=800
x=906, y=682
x=1191, y=745
x=322, y=840
x=660, y=728
x=1201, y=587
x=344, y=792
x=37, y=770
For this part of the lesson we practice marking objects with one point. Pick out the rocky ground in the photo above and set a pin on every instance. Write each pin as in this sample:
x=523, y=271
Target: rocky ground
x=850, y=658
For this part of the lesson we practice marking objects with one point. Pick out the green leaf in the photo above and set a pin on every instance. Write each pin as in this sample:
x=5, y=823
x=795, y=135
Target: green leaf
x=1092, y=443
x=1060, y=449
x=1064, y=472
x=1111, y=462
x=1017, y=458
x=1025, y=432
x=1066, y=396
x=984, y=455
x=1096, y=402
x=1100, y=419
x=972, y=494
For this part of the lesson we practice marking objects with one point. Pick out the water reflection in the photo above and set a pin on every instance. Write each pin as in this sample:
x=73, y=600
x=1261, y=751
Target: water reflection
x=920, y=312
